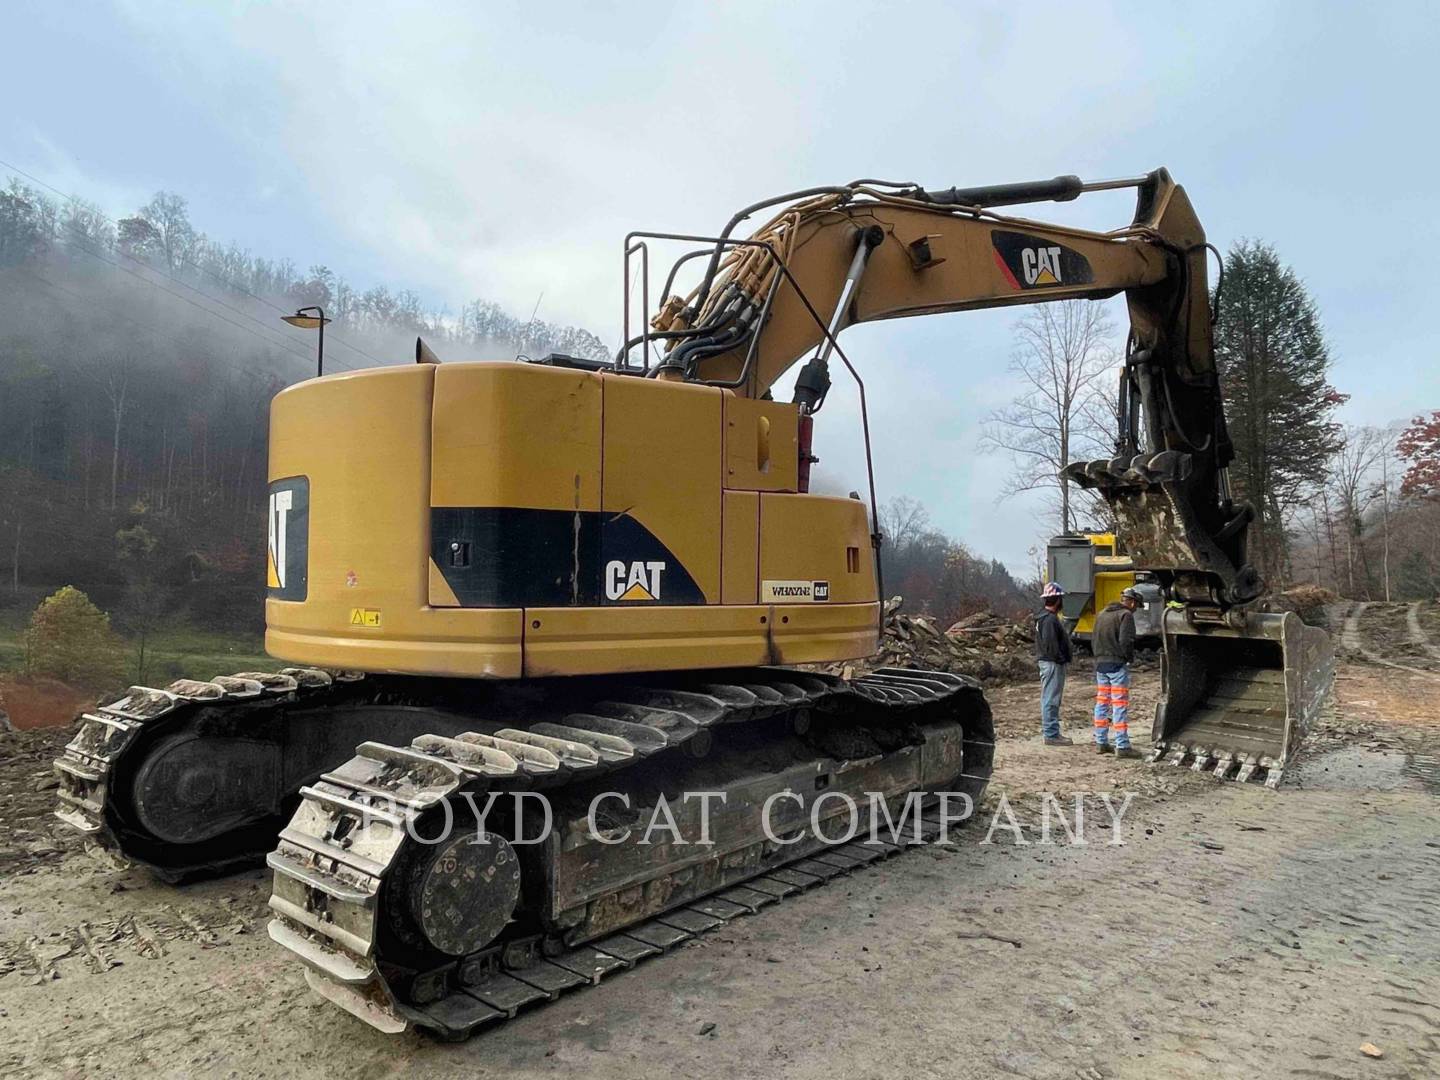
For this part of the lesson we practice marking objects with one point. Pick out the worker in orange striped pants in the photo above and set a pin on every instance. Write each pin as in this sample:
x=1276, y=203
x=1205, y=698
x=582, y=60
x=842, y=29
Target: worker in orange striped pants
x=1113, y=643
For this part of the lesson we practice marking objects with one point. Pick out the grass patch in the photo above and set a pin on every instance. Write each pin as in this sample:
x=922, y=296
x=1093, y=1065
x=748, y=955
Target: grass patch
x=163, y=666
x=178, y=653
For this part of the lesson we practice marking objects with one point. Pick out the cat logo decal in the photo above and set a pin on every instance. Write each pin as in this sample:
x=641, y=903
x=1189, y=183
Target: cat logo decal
x=631, y=581
x=1035, y=262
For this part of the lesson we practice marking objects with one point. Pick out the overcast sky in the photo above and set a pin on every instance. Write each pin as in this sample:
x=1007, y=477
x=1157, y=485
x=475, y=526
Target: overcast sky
x=503, y=150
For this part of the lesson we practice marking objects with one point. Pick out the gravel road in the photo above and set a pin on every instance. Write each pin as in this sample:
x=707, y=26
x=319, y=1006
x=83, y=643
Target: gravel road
x=1236, y=932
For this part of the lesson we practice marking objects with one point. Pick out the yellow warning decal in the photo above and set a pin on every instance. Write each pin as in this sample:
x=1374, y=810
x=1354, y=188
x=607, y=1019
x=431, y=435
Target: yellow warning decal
x=363, y=616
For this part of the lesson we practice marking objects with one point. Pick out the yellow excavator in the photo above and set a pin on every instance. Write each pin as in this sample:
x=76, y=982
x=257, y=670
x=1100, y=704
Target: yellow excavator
x=1094, y=570
x=592, y=586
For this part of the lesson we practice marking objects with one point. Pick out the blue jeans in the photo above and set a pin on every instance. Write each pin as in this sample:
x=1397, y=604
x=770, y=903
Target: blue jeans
x=1112, y=705
x=1052, y=686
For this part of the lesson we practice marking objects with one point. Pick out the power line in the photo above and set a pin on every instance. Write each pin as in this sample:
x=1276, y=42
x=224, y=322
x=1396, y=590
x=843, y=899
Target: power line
x=149, y=329
x=273, y=343
x=203, y=269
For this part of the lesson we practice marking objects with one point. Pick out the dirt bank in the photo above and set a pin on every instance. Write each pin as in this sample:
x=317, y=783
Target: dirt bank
x=40, y=703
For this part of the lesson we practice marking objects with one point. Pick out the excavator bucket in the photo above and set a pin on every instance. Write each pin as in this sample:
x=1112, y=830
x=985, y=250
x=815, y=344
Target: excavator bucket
x=1240, y=695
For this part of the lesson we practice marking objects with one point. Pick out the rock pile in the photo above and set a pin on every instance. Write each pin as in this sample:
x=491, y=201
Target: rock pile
x=983, y=646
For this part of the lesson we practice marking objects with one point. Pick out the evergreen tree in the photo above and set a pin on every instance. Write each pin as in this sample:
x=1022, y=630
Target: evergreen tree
x=1274, y=365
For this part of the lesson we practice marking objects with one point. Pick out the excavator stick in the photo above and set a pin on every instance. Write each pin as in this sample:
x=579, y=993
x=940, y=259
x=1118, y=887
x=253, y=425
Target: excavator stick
x=1239, y=694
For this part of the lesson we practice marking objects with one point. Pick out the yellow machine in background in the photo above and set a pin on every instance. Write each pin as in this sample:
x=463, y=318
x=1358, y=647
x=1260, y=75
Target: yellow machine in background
x=1094, y=571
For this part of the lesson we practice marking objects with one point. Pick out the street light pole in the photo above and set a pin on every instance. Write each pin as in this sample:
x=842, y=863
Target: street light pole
x=316, y=321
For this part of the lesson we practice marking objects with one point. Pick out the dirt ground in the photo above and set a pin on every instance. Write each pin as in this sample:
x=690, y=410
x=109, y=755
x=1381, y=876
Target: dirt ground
x=1236, y=932
x=37, y=703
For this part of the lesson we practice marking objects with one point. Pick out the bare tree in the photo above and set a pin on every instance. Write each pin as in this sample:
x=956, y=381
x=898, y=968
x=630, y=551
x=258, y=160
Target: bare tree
x=1062, y=353
x=116, y=383
x=1385, y=523
x=174, y=234
x=903, y=520
x=1355, y=478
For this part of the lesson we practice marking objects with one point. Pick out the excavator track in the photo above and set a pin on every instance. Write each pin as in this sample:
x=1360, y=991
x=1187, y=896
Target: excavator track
x=406, y=913
x=197, y=778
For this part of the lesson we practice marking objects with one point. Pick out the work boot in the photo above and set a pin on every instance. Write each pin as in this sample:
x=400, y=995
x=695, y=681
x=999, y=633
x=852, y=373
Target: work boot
x=1104, y=748
x=1058, y=740
x=1126, y=752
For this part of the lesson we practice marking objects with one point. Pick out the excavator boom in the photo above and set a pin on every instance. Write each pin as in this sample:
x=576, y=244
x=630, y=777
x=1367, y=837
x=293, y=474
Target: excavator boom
x=869, y=251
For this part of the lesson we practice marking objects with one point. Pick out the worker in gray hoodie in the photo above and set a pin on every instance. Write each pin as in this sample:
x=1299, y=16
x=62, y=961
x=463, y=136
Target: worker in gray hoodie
x=1052, y=653
x=1113, y=643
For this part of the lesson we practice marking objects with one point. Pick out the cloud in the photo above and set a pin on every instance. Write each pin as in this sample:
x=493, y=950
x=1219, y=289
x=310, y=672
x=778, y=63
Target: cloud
x=503, y=151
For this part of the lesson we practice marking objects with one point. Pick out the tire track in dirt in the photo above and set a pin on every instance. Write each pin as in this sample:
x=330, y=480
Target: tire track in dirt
x=101, y=945
x=1354, y=642
x=1417, y=632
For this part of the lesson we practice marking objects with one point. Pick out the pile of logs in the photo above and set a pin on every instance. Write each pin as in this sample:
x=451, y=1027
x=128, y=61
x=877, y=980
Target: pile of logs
x=983, y=645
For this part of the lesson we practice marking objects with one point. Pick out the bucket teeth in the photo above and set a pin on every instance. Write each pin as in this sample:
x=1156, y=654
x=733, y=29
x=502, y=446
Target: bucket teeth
x=1219, y=762
x=1272, y=769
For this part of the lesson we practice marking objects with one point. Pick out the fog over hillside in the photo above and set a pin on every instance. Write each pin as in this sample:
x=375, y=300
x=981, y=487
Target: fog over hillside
x=138, y=356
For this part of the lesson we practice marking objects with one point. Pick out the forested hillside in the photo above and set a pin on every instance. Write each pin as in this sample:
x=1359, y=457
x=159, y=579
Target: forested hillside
x=137, y=360
x=138, y=357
